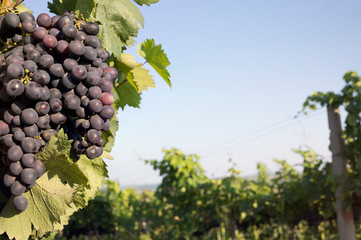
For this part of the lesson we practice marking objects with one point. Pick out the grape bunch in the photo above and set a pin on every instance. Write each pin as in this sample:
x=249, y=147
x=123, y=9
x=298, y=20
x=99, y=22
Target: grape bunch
x=53, y=76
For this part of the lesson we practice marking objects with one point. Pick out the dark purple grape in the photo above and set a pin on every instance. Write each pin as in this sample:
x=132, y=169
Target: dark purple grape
x=97, y=62
x=107, y=98
x=113, y=71
x=58, y=118
x=28, y=176
x=14, y=153
x=8, y=141
x=69, y=64
x=8, y=179
x=11, y=20
x=19, y=136
x=64, y=21
x=14, y=88
x=39, y=168
x=55, y=93
x=71, y=102
x=43, y=20
x=56, y=70
x=8, y=117
x=69, y=31
x=30, y=66
x=46, y=61
x=56, y=105
x=31, y=131
x=91, y=28
x=41, y=76
x=17, y=188
x=106, y=126
x=92, y=41
x=81, y=36
x=17, y=107
x=81, y=112
x=84, y=101
x=107, y=112
x=15, y=168
x=28, y=160
x=40, y=33
x=101, y=142
x=95, y=106
x=96, y=122
x=85, y=124
x=81, y=90
x=41, y=48
x=94, y=92
x=54, y=83
x=54, y=21
x=99, y=151
x=54, y=32
x=28, y=145
x=90, y=54
x=4, y=128
x=45, y=93
x=26, y=16
x=92, y=78
x=20, y=203
x=50, y=41
x=77, y=48
x=91, y=152
x=33, y=90
x=14, y=59
x=68, y=93
x=33, y=56
x=105, y=85
x=16, y=121
x=28, y=48
x=93, y=136
x=29, y=116
x=106, y=56
x=42, y=108
x=48, y=133
x=79, y=72
x=63, y=48
x=29, y=26
x=15, y=70
x=43, y=121
x=30, y=40
x=68, y=82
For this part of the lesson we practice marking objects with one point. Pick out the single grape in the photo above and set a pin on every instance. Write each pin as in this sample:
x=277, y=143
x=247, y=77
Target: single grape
x=30, y=66
x=91, y=28
x=4, y=128
x=101, y=142
x=69, y=31
x=85, y=124
x=45, y=93
x=28, y=48
x=40, y=33
x=14, y=59
x=39, y=168
x=106, y=56
x=81, y=90
x=96, y=122
x=16, y=121
x=90, y=54
x=19, y=136
x=92, y=78
x=33, y=90
x=105, y=85
x=107, y=98
x=54, y=83
x=69, y=64
x=50, y=41
x=79, y=72
x=43, y=20
x=28, y=145
x=69, y=92
x=107, y=112
x=91, y=152
x=28, y=26
x=26, y=16
x=93, y=136
x=28, y=175
x=55, y=93
x=95, y=106
x=94, y=92
x=31, y=131
x=42, y=108
x=15, y=70
x=56, y=70
x=17, y=107
x=8, y=141
x=81, y=36
x=84, y=101
x=15, y=168
x=97, y=62
x=56, y=105
x=71, y=102
x=92, y=41
x=113, y=71
x=29, y=116
x=54, y=32
x=46, y=61
x=14, y=88
x=81, y=112
x=43, y=121
x=33, y=56
x=77, y=48
x=40, y=76
x=106, y=126
x=58, y=118
x=99, y=151
x=67, y=82
x=54, y=21
x=11, y=20
x=8, y=179
x=20, y=203
x=41, y=48
x=14, y=153
x=17, y=188
x=48, y=133
x=28, y=160
x=64, y=21
x=63, y=48
x=8, y=117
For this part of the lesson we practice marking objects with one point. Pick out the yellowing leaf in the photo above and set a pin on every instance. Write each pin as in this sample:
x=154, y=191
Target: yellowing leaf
x=142, y=78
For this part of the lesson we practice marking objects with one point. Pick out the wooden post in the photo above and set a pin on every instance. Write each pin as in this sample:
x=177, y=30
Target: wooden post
x=345, y=224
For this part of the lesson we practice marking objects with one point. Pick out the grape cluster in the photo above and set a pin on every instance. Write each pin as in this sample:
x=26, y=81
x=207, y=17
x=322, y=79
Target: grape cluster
x=53, y=77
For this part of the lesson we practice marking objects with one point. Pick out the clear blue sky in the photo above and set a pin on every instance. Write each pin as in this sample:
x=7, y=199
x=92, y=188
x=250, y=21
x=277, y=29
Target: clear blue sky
x=237, y=67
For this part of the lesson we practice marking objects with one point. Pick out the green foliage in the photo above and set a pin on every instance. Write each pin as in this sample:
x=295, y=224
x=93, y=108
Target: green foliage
x=146, y=2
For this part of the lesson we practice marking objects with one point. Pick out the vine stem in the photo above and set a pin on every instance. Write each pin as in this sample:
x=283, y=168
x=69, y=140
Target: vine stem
x=120, y=84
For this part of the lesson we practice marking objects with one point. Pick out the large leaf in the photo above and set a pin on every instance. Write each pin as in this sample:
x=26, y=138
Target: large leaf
x=126, y=94
x=146, y=2
x=84, y=7
x=155, y=56
x=142, y=78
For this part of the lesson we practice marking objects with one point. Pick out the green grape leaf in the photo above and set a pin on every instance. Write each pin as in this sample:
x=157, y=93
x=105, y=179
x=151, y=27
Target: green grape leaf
x=125, y=94
x=119, y=21
x=155, y=56
x=142, y=78
x=84, y=7
x=48, y=201
x=146, y=2
x=22, y=8
x=109, y=136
